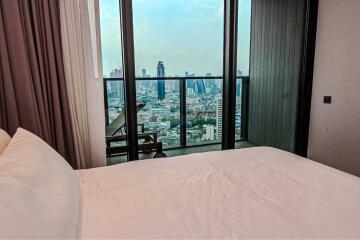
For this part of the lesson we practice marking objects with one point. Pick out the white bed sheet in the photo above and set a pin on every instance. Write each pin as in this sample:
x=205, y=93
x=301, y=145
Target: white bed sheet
x=249, y=193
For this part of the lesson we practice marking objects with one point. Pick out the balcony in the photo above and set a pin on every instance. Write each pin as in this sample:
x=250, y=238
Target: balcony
x=179, y=112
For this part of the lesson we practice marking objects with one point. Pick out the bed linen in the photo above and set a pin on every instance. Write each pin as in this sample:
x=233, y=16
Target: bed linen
x=39, y=191
x=4, y=140
x=249, y=193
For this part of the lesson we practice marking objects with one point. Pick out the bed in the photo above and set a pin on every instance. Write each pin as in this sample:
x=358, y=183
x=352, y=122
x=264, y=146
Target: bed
x=258, y=192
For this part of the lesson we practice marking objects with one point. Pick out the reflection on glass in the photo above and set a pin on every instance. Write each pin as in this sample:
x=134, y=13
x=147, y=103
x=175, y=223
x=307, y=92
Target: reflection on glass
x=203, y=111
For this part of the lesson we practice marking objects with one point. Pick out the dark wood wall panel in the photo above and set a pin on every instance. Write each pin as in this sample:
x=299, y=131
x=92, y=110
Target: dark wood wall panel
x=276, y=46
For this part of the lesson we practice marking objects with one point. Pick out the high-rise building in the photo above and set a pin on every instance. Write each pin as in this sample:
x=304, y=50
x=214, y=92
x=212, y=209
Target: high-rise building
x=190, y=83
x=209, y=132
x=214, y=89
x=146, y=83
x=177, y=86
x=116, y=73
x=160, y=72
x=200, y=86
x=209, y=82
x=161, y=89
x=116, y=87
x=219, y=110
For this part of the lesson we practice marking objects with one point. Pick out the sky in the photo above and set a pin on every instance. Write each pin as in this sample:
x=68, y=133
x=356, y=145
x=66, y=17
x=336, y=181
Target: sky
x=187, y=35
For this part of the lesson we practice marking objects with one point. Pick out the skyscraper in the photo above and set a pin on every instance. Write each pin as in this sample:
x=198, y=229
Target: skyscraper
x=116, y=87
x=190, y=83
x=209, y=132
x=160, y=72
x=209, y=82
x=116, y=73
x=146, y=83
x=200, y=86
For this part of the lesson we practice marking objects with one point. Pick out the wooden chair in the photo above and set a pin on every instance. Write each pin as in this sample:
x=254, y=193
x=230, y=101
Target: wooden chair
x=116, y=132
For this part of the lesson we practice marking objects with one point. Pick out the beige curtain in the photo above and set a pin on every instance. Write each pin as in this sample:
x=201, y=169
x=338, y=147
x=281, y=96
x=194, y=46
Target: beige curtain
x=81, y=44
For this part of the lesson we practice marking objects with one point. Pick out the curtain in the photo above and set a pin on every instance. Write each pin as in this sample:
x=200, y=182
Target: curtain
x=33, y=92
x=83, y=70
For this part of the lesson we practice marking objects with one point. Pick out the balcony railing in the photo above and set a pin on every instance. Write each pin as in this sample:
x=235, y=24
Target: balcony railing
x=185, y=111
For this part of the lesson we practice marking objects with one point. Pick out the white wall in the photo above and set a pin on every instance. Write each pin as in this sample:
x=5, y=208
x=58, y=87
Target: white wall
x=335, y=129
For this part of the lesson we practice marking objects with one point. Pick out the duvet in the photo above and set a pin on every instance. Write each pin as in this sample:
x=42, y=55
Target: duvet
x=250, y=193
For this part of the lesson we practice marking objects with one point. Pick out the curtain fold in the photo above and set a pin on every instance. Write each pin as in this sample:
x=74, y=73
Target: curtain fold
x=83, y=69
x=33, y=92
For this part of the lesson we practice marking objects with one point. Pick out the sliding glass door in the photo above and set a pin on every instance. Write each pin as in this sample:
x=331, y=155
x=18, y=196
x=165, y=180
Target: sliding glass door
x=242, y=72
x=178, y=53
x=113, y=81
x=178, y=57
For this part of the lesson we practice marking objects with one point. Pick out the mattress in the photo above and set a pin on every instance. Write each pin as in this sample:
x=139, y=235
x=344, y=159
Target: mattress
x=249, y=193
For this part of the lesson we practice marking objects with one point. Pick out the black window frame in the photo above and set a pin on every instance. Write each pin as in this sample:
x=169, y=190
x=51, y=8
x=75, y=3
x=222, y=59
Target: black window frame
x=229, y=78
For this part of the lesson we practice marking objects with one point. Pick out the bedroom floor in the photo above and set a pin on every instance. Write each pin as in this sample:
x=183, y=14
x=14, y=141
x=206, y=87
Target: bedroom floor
x=181, y=151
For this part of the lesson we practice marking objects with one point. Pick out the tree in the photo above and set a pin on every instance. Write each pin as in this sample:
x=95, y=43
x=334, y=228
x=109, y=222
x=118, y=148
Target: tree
x=174, y=122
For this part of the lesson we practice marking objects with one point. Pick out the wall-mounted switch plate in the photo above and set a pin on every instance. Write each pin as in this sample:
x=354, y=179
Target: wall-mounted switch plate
x=327, y=99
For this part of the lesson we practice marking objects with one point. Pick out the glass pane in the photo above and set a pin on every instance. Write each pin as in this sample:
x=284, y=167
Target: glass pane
x=187, y=36
x=243, y=59
x=244, y=22
x=113, y=78
x=179, y=39
x=238, y=109
x=111, y=38
x=203, y=111
x=159, y=115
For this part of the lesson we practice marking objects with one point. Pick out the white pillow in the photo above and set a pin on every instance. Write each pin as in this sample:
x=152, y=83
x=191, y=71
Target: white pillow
x=4, y=140
x=39, y=191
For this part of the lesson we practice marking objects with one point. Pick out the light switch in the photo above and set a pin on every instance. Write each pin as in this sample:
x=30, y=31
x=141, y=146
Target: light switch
x=327, y=99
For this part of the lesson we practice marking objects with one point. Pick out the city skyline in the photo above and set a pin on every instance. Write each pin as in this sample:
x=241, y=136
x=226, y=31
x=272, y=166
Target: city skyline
x=203, y=110
x=117, y=73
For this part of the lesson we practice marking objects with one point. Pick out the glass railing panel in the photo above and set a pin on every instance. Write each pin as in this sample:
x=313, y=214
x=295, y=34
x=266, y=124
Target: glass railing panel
x=238, y=109
x=159, y=115
x=115, y=99
x=203, y=111
x=115, y=118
